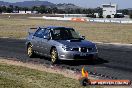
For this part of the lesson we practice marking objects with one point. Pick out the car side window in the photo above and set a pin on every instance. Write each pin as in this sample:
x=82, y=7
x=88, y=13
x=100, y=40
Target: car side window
x=35, y=34
x=39, y=33
x=46, y=32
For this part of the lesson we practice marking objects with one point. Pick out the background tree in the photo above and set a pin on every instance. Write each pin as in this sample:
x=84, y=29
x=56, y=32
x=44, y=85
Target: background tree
x=99, y=11
x=41, y=9
x=25, y=9
x=78, y=11
x=4, y=9
x=123, y=11
x=49, y=10
x=54, y=10
x=17, y=9
x=130, y=14
x=9, y=9
x=0, y=9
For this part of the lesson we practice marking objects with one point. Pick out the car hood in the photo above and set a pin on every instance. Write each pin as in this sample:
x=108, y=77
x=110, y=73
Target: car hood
x=79, y=43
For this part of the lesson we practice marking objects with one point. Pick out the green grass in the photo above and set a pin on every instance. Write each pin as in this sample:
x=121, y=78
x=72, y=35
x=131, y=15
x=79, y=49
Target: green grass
x=21, y=77
x=16, y=27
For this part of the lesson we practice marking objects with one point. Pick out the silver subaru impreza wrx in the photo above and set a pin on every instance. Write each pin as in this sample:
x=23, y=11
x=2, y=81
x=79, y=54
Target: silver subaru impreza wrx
x=60, y=43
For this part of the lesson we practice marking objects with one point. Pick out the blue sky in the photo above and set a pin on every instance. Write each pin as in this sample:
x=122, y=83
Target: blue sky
x=87, y=3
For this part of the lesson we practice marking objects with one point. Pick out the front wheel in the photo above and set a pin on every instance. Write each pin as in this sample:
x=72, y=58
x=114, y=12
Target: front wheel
x=30, y=51
x=54, y=56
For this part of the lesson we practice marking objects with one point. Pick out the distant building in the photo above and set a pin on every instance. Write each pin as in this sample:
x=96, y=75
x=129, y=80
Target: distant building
x=96, y=14
x=109, y=10
x=25, y=12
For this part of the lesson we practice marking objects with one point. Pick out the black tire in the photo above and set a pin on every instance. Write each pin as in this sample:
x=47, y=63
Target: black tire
x=54, y=56
x=30, y=51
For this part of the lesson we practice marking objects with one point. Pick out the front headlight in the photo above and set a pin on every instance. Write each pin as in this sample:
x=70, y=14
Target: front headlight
x=95, y=48
x=67, y=48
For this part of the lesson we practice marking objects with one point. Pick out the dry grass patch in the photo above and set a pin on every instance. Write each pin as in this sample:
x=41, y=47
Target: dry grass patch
x=22, y=77
x=14, y=74
x=99, y=32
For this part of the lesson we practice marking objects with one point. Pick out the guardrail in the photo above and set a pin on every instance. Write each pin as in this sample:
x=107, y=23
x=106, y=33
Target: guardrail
x=81, y=19
x=110, y=20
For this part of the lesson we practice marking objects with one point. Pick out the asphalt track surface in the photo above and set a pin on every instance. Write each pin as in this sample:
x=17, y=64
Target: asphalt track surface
x=115, y=61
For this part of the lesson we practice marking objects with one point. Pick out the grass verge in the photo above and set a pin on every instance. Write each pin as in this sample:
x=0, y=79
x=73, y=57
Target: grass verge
x=22, y=77
x=16, y=27
x=15, y=74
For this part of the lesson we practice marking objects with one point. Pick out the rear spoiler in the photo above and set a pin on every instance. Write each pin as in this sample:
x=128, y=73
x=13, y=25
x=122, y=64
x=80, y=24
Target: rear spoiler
x=31, y=30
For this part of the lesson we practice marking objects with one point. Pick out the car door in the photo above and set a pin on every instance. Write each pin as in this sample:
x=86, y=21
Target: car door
x=45, y=43
x=37, y=40
x=34, y=40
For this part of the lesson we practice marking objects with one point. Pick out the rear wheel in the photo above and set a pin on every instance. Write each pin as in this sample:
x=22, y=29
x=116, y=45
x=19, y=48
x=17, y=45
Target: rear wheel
x=54, y=56
x=30, y=51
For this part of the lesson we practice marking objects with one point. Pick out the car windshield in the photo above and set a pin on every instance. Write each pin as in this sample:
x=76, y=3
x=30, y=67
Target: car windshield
x=64, y=34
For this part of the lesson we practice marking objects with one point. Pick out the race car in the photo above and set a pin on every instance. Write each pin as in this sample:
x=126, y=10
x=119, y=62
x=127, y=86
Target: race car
x=60, y=43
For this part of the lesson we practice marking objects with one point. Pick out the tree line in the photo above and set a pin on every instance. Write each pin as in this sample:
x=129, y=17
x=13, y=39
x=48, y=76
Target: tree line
x=126, y=12
x=45, y=9
x=52, y=10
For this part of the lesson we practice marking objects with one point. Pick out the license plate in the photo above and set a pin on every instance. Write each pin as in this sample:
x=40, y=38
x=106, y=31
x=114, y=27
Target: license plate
x=83, y=54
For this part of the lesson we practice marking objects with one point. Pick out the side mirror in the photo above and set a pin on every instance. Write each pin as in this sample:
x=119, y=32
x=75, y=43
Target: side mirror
x=83, y=37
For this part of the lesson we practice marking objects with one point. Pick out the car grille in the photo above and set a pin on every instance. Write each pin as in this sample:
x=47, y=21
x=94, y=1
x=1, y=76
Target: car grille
x=89, y=49
x=75, y=49
x=82, y=49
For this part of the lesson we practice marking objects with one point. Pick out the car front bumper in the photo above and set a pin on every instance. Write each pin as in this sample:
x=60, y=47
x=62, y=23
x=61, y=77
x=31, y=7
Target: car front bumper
x=70, y=55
